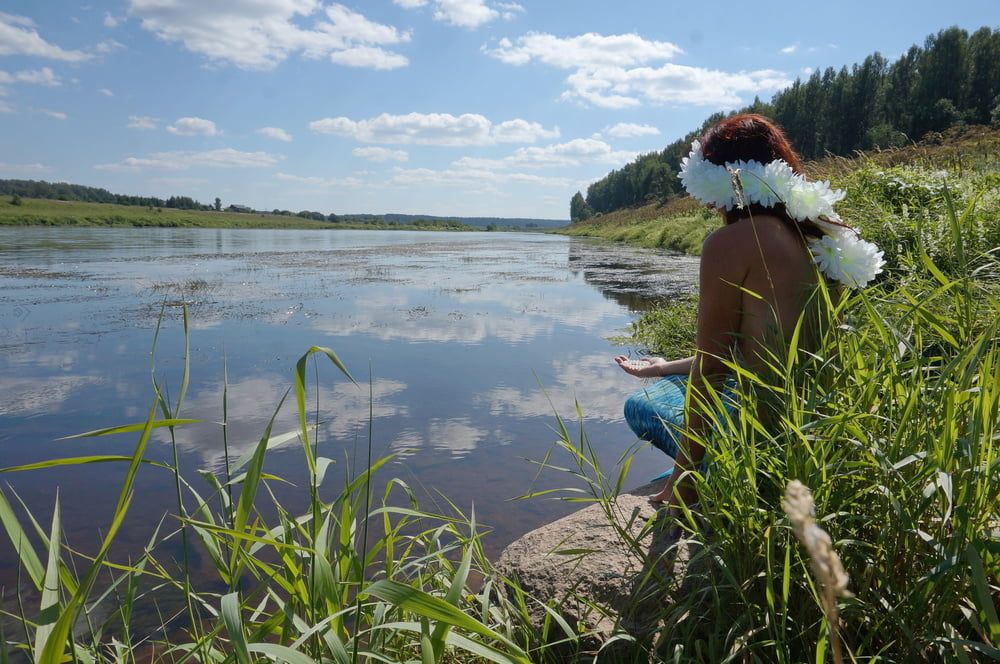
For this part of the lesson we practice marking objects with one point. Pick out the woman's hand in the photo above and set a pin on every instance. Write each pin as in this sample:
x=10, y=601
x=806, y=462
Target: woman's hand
x=647, y=367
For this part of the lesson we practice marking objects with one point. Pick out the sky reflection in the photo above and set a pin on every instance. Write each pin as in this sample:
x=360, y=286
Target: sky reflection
x=475, y=341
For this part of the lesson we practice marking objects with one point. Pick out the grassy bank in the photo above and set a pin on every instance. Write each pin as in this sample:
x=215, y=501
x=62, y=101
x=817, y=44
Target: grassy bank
x=886, y=191
x=892, y=420
x=45, y=212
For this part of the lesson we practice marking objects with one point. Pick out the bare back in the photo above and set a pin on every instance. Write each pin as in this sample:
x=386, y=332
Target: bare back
x=761, y=256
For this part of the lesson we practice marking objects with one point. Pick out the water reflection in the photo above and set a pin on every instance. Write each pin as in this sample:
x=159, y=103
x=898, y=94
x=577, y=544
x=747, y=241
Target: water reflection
x=475, y=340
x=592, y=381
x=343, y=408
x=36, y=396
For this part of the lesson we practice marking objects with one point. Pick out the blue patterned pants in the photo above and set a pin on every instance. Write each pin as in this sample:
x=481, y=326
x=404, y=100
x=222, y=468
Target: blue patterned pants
x=656, y=413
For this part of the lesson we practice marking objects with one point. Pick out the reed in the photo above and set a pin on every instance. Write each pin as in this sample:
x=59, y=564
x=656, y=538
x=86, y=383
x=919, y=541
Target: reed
x=307, y=587
x=892, y=419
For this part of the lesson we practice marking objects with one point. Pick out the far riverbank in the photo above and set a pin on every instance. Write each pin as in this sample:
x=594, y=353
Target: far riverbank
x=45, y=212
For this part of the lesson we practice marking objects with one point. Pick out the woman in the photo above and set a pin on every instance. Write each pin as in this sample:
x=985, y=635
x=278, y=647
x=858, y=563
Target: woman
x=757, y=274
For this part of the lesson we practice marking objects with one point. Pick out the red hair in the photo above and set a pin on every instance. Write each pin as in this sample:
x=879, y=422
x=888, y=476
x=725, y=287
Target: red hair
x=750, y=136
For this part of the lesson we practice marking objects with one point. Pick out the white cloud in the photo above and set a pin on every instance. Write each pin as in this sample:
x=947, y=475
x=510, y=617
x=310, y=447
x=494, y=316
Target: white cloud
x=669, y=84
x=433, y=129
x=457, y=436
x=193, y=127
x=572, y=153
x=461, y=13
x=112, y=21
x=630, y=130
x=23, y=395
x=584, y=51
x=791, y=48
x=180, y=182
x=178, y=160
x=509, y=10
x=262, y=34
x=470, y=176
x=311, y=181
x=522, y=131
x=58, y=115
x=142, y=122
x=6, y=108
x=620, y=71
x=808, y=71
x=43, y=76
x=106, y=92
x=18, y=36
x=464, y=13
x=590, y=381
x=108, y=46
x=277, y=133
x=369, y=57
x=380, y=154
x=23, y=168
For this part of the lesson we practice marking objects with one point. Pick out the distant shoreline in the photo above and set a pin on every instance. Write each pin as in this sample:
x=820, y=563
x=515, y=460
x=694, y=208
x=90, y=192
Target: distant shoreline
x=39, y=212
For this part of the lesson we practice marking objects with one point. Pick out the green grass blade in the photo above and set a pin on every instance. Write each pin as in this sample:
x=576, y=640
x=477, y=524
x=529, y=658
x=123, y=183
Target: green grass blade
x=249, y=492
x=300, y=396
x=22, y=545
x=454, y=596
x=233, y=619
x=273, y=442
x=281, y=653
x=49, y=613
x=77, y=461
x=434, y=608
x=130, y=428
x=981, y=591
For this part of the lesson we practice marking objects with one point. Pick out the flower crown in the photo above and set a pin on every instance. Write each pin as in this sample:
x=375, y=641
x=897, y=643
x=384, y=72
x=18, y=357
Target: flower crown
x=840, y=254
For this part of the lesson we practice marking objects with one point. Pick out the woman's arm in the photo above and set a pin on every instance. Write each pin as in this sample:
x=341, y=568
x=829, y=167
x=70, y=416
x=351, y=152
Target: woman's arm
x=655, y=366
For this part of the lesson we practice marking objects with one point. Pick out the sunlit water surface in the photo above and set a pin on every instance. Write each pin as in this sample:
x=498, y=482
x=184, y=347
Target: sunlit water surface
x=474, y=340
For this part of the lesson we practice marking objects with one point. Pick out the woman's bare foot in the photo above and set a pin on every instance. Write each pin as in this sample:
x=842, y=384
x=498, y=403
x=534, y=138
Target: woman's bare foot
x=659, y=500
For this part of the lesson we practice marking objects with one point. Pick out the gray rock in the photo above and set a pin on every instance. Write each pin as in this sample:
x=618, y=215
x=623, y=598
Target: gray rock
x=605, y=569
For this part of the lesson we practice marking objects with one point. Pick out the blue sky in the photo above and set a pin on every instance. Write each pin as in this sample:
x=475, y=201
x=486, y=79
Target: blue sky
x=449, y=107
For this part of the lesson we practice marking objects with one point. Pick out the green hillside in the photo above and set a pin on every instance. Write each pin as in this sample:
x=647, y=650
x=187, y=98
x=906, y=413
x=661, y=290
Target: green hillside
x=952, y=80
x=883, y=188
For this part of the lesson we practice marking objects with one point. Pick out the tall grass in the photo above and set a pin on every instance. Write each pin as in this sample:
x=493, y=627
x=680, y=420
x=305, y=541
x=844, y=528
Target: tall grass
x=305, y=587
x=893, y=421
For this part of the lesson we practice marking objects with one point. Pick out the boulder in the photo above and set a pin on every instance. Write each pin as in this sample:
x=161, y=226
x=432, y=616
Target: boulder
x=605, y=569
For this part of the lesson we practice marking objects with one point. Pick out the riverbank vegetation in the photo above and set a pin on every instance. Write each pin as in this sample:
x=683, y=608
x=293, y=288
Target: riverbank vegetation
x=891, y=421
x=21, y=211
x=953, y=80
x=888, y=191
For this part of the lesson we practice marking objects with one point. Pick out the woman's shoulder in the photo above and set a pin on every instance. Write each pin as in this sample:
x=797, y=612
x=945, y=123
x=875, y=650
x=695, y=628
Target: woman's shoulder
x=746, y=234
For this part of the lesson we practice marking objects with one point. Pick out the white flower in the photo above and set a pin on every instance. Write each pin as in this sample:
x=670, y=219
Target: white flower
x=806, y=200
x=779, y=177
x=840, y=253
x=847, y=258
x=709, y=183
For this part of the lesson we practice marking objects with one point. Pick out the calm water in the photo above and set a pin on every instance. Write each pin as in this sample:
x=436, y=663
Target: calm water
x=461, y=331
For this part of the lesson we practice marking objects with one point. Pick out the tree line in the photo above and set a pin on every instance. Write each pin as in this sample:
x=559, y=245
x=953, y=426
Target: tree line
x=953, y=79
x=64, y=191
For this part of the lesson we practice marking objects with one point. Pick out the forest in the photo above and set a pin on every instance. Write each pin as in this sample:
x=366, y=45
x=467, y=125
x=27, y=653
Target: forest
x=953, y=79
x=64, y=191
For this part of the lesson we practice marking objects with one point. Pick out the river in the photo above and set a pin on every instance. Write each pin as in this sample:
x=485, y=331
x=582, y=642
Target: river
x=474, y=341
